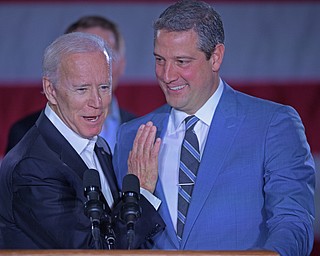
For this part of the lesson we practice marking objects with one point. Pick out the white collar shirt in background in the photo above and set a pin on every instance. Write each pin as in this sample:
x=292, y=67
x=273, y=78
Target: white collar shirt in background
x=169, y=156
x=111, y=124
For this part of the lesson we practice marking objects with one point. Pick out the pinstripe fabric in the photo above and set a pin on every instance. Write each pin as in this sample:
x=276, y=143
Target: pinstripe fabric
x=189, y=163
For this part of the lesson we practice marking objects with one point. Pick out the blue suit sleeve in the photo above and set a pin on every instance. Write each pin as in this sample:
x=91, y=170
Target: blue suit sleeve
x=289, y=185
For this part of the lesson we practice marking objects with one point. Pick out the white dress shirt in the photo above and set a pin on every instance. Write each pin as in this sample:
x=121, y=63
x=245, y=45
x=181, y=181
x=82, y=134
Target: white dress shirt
x=169, y=156
x=84, y=147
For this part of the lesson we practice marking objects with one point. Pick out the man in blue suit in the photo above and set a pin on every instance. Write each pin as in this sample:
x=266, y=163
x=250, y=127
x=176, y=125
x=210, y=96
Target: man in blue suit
x=254, y=189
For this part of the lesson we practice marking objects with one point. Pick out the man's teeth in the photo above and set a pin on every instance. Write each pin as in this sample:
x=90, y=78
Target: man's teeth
x=92, y=119
x=178, y=87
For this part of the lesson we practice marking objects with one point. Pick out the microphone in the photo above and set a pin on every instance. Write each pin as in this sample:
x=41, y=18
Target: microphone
x=93, y=207
x=130, y=210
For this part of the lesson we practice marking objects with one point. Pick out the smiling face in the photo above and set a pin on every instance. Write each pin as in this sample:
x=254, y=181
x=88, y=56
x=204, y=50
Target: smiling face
x=184, y=74
x=82, y=94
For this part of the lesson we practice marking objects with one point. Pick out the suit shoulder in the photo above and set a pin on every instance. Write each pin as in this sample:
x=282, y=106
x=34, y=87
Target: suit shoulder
x=27, y=147
x=235, y=102
x=149, y=117
x=256, y=103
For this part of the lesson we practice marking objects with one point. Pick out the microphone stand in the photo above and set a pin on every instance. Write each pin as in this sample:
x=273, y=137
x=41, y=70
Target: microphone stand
x=130, y=238
x=96, y=236
x=109, y=235
x=93, y=209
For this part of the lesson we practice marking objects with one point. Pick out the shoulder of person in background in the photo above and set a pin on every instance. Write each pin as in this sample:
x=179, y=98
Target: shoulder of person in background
x=20, y=128
x=126, y=115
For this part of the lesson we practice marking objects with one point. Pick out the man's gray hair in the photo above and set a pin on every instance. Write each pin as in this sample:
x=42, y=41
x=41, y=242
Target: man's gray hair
x=67, y=44
x=197, y=15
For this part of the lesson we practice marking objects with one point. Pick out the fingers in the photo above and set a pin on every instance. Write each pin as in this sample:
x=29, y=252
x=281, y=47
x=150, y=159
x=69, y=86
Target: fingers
x=150, y=138
x=144, y=140
x=135, y=146
x=156, y=148
x=143, y=158
x=131, y=164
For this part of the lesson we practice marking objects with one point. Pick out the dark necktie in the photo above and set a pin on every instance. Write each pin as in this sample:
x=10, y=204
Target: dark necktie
x=189, y=163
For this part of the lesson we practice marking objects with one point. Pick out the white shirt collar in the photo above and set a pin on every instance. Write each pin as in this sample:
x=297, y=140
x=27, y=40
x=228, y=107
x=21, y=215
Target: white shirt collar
x=76, y=141
x=205, y=113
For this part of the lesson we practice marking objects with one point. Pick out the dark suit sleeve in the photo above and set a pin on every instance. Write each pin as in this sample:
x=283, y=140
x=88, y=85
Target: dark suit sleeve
x=146, y=228
x=48, y=207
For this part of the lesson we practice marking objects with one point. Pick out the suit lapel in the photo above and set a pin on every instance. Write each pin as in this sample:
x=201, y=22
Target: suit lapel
x=60, y=145
x=223, y=129
x=72, y=159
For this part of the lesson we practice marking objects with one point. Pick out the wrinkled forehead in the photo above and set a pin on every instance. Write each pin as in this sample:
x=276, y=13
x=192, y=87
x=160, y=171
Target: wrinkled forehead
x=85, y=65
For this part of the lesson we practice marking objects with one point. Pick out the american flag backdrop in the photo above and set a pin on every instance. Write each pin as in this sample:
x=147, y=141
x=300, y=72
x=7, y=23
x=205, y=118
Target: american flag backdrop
x=272, y=51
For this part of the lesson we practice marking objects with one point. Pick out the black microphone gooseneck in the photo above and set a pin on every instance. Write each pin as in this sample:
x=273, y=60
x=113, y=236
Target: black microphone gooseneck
x=93, y=207
x=109, y=235
x=130, y=211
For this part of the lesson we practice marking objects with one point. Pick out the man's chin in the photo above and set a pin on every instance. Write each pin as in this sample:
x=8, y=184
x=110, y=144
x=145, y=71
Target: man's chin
x=90, y=135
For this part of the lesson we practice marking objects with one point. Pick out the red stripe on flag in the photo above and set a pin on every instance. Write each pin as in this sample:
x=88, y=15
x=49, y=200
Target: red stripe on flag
x=18, y=101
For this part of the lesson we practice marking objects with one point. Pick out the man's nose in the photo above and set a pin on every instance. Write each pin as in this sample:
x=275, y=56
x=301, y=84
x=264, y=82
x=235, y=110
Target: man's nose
x=170, y=75
x=95, y=98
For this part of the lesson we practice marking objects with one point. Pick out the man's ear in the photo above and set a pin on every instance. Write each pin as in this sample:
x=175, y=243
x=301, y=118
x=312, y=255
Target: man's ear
x=121, y=65
x=49, y=90
x=217, y=57
x=117, y=71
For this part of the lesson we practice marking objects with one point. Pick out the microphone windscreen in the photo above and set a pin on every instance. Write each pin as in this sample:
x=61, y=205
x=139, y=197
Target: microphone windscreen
x=131, y=184
x=91, y=178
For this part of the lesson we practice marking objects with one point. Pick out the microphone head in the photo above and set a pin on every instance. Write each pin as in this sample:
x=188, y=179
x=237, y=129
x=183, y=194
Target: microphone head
x=91, y=178
x=131, y=183
x=93, y=207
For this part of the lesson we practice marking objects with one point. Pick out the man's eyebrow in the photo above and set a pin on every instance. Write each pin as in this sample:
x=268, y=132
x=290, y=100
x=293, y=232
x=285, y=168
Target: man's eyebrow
x=184, y=57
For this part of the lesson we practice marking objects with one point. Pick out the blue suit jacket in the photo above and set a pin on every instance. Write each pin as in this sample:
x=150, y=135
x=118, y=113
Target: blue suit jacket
x=42, y=196
x=255, y=183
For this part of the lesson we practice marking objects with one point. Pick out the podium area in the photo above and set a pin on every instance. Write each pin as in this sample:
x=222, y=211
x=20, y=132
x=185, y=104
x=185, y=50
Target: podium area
x=133, y=252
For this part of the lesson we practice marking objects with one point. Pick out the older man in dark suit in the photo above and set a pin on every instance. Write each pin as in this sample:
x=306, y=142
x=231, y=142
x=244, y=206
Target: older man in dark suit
x=41, y=179
x=110, y=32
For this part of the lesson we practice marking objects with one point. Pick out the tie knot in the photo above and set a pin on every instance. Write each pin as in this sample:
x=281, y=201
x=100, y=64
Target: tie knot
x=191, y=121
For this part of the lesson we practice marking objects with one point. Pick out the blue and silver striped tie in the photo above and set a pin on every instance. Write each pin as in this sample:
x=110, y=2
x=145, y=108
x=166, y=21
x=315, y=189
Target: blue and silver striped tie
x=189, y=164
